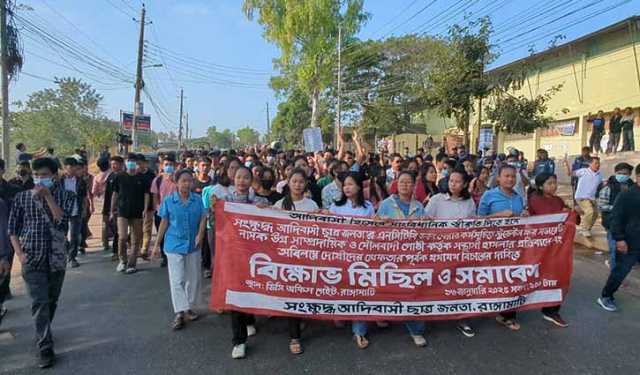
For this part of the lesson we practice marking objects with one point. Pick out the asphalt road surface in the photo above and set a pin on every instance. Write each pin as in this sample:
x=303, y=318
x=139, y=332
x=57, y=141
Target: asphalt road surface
x=110, y=323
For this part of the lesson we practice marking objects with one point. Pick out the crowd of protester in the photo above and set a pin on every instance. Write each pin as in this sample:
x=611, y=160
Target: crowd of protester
x=44, y=212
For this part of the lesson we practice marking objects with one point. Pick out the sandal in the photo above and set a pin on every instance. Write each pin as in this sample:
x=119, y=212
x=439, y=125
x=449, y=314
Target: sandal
x=361, y=341
x=295, y=347
x=512, y=324
x=178, y=322
x=191, y=316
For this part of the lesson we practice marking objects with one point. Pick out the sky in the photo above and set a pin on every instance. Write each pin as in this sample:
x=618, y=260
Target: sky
x=221, y=60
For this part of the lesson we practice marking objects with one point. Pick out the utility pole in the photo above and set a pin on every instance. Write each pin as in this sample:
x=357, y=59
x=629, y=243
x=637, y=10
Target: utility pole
x=138, y=85
x=4, y=80
x=186, y=127
x=268, y=124
x=180, y=126
x=338, y=126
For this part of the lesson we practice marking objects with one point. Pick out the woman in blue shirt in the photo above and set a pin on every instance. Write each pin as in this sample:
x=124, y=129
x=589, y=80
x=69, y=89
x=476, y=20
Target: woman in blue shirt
x=182, y=227
x=503, y=201
x=404, y=206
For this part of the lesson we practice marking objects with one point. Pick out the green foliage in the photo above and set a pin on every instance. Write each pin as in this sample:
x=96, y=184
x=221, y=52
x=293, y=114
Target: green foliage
x=247, y=136
x=306, y=33
x=294, y=115
x=386, y=81
x=519, y=114
x=65, y=117
x=457, y=78
x=223, y=139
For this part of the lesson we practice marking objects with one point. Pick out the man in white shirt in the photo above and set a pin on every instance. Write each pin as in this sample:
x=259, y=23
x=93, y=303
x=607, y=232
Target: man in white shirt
x=589, y=179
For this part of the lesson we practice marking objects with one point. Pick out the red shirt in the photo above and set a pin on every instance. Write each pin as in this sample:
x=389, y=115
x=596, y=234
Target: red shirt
x=543, y=205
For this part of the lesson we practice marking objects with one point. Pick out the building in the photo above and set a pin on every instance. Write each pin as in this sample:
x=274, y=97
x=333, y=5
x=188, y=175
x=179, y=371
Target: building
x=599, y=71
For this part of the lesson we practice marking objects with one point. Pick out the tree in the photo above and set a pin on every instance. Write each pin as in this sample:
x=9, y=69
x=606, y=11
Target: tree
x=306, y=33
x=247, y=136
x=457, y=78
x=385, y=82
x=224, y=139
x=294, y=111
x=64, y=118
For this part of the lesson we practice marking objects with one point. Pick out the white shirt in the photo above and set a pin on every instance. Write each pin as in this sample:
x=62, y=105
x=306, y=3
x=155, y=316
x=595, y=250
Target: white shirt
x=70, y=185
x=347, y=209
x=588, y=182
x=442, y=206
x=305, y=204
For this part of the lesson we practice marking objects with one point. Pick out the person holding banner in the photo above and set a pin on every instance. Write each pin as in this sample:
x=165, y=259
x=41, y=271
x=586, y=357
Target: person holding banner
x=182, y=229
x=294, y=200
x=353, y=203
x=404, y=206
x=456, y=203
x=242, y=325
x=504, y=201
x=544, y=201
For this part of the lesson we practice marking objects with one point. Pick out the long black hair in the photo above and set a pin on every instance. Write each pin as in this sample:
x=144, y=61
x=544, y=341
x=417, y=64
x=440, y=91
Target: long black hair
x=359, y=199
x=224, y=179
x=431, y=188
x=287, y=201
x=376, y=174
x=464, y=194
x=541, y=178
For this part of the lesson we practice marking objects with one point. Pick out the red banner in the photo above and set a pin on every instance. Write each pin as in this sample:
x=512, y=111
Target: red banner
x=319, y=266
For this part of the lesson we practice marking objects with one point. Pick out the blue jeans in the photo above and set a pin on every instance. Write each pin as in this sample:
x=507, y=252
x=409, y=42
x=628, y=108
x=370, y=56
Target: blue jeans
x=75, y=236
x=628, y=143
x=415, y=327
x=612, y=250
x=359, y=328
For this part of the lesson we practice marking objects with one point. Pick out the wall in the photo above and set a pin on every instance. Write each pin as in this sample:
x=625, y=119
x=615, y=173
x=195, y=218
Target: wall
x=600, y=73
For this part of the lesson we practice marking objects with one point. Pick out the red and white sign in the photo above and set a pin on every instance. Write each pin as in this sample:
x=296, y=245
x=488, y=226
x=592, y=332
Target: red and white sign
x=319, y=266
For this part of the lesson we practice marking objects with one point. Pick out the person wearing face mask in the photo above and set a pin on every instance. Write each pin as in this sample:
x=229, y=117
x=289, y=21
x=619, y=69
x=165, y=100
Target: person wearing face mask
x=128, y=203
x=72, y=182
x=162, y=187
x=619, y=182
x=266, y=178
x=23, y=177
x=39, y=244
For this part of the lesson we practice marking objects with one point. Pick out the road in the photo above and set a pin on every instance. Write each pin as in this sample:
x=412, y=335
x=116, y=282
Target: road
x=110, y=323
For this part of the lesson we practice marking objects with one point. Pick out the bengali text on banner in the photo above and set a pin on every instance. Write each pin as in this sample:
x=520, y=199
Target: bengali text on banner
x=318, y=266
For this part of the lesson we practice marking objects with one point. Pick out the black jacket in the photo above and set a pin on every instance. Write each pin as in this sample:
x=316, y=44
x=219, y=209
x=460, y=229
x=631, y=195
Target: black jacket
x=625, y=218
x=615, y=188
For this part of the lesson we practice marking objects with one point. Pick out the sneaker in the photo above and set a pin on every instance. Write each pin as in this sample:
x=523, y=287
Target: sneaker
x=419, y=340
x=239, y=351
x=251, y=330
x=47, y=358
x=555, y=319
x=74, y=263
x=466, y=329
x=207, y=274
x=607, y=303
x=121, y=267
x=130, y=270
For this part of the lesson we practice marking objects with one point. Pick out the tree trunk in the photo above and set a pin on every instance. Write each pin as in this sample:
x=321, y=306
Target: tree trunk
x=315, y=99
